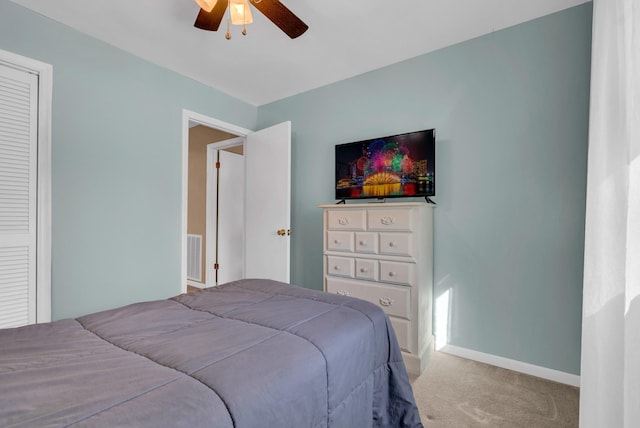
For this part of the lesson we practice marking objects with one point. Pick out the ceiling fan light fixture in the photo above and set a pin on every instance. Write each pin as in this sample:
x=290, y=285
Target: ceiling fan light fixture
x=206, y=5
x=274, y=10
x=240, y=12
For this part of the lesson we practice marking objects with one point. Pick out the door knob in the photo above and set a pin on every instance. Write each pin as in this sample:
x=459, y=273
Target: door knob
x=282, y=232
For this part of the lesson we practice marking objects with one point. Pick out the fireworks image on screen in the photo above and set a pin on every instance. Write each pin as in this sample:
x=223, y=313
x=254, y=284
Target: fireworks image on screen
x=384, y=167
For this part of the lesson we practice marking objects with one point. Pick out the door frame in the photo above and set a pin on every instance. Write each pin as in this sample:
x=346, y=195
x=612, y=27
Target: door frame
x=201, y=119
x=44, y=72
x=211, y=193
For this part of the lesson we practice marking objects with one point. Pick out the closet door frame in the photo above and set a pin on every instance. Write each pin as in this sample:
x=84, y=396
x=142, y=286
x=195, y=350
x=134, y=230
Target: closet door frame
x=43, y=235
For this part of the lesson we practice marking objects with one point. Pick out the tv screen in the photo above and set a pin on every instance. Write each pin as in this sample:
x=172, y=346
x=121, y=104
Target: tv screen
x=389, y=167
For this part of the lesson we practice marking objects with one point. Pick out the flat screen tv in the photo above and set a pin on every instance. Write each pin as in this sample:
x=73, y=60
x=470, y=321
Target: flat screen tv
x=397, y=166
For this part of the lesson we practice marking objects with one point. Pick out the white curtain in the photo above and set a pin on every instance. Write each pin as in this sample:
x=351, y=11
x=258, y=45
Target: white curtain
x=610, y=372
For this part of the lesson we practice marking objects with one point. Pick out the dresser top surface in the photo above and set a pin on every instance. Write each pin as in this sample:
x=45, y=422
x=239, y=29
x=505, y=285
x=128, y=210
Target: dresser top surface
x=378, y=205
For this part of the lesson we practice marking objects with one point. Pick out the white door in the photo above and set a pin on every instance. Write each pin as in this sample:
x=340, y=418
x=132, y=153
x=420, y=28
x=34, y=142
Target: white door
x=268, y=202
x=230, y=216
x=18, y=179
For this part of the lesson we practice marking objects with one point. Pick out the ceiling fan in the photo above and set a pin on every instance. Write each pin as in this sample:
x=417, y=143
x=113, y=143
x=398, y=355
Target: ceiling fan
x=212, y=12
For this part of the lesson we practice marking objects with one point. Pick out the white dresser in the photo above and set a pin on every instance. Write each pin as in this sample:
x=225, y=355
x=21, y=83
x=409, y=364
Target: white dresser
x=383, y=253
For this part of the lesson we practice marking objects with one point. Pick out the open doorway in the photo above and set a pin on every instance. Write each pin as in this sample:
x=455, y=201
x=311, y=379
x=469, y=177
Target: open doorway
x=203, y=138
x=213, y=193
x=266, y=201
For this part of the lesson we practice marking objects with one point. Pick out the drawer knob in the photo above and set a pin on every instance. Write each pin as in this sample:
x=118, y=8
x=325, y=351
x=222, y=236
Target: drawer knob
x=363, y=244
x=342, y=292
x=336, y=241
x=386, y=220
x=343, y=221
x=391, y=244
x=363, y=270
x=386, y=301
x=392, y=274
x=336, y=267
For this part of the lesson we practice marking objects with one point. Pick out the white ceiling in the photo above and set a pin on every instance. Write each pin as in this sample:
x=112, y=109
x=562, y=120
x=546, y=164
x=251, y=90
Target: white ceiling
x=345, y=38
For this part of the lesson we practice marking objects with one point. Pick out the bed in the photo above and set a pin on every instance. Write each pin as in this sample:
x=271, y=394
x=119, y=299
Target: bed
x=251, y=353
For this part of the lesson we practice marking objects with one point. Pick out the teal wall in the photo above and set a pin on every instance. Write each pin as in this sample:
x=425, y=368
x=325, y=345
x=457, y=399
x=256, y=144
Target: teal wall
x=117, y=159
x=511, y=115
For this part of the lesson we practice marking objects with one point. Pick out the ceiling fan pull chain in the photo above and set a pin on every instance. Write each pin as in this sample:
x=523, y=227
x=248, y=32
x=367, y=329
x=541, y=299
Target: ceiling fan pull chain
x=244, y=19
x=228, y=35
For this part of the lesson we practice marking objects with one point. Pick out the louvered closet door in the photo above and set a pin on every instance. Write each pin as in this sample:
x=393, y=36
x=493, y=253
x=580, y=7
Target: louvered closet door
x=18, y=168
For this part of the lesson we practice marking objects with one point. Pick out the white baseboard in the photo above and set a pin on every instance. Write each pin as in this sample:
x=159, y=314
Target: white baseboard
x=196, y=284
x=415, y=364
x=517, y=366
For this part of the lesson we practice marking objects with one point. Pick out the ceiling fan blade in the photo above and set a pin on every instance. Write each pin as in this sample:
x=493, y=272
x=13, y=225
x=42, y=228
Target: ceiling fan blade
x=282, y=17
x=210, y=21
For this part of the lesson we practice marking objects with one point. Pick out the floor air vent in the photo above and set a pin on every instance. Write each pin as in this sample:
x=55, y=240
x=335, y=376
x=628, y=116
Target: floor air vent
x=194, y=257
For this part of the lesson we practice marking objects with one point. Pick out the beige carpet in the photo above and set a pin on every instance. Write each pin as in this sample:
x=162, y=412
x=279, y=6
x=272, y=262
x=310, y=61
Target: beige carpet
x=456, y=392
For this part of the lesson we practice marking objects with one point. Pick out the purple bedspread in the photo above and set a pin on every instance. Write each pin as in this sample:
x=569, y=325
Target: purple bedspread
x=252, y=353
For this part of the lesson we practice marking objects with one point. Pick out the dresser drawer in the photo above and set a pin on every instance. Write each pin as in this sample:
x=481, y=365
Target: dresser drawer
x=367, y=269
x=402, y=329
x=398, y=219
x=366, y=242
x=340, y=266
x=397, y=244
x=396, y=272
x=395, y=301
x=346, y=219
x=340, y=241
